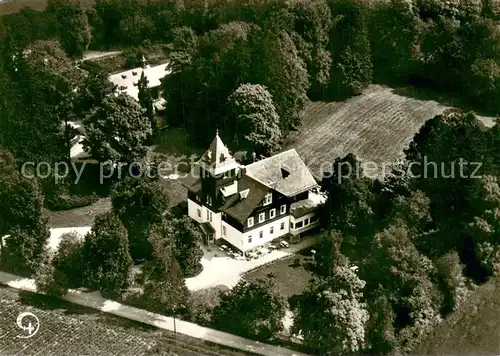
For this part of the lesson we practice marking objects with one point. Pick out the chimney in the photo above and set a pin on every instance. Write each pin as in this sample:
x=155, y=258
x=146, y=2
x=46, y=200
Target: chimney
x=254, y=156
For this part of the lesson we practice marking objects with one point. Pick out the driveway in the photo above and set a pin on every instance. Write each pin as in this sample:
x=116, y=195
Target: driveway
x=228, y=271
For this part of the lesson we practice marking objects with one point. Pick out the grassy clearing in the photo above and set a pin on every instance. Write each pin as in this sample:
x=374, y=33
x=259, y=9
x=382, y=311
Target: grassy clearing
x=84, y=216
x=376, y=126
x=474, y=329
x=289, y=280
x=73, y=330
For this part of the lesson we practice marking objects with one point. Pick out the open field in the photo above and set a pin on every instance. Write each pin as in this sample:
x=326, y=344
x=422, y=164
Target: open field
x=71, y=330
x=11, y=6
x=474, y=329
x=376, y=126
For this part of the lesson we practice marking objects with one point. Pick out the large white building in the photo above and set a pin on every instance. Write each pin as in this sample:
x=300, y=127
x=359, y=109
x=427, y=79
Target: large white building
x=126, y=82
x=250, y=206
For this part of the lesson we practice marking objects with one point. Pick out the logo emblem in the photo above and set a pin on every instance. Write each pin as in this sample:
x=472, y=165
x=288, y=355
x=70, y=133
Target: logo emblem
x=29, y=323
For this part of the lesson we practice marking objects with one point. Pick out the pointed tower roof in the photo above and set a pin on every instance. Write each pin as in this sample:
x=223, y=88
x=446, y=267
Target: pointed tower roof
x=217, y=158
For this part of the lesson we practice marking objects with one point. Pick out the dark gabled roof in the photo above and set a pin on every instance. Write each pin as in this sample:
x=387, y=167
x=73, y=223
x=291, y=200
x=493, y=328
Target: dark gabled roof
x=284, y=172
x=192, y=183
x=241, y=209
x=207, y=228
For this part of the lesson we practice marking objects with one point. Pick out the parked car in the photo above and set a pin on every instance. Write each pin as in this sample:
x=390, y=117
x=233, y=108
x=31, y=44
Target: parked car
x=284, y=244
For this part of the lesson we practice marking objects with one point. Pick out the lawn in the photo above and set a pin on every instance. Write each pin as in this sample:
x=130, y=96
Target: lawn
x=66, y=329
x=289, y=280
x=84, y=216
x=376, y=126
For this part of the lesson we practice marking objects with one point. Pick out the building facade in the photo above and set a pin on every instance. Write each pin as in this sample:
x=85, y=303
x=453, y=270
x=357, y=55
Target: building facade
x=250, y=206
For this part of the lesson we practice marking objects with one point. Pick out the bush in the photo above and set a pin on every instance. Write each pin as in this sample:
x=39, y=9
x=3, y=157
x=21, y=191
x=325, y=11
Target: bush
x=67, y=202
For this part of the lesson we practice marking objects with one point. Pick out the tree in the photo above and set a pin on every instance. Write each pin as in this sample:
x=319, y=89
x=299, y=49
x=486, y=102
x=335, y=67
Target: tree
x=165, y=290
x=107, y=256
x=330, y=315
x=350, y=204
x=281, y=70
x=399, y=271
x=94, y=89
x=117, y=130
x=313, y=22
x=21, y=218
x=250, y=309
x=394, y=30
x=48, y=280
x=63, y=269
x=255, y=118
x=75, y=31
x=452, y=281
x=352, y=67
x=187, y=249
x=328, y=254
x=139, y=203
x=184, y=237
x=446, y=152
x=146, y=100
x=39, y=79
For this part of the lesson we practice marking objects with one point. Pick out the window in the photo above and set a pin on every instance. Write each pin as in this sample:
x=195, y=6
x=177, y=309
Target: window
x=250, y=222
x=271, y=230
x=314, y=219
x=268, y=199
x=291, y=226
x=306, y=222
x=262, y=216
x=261, y=234
x=250, y=239
x=272, y=213
x=199, y=213
x=209, y=200
x=282, y=226
x=283, y=209
x=224, y=230
x=299, y=224
x=210, y=214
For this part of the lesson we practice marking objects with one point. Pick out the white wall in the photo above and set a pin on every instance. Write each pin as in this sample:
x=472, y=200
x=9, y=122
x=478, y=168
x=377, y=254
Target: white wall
x=267, y=236
x=216, y=218
x=216, y=224
x=193, y=211
x=233, y=236
x=303, y=228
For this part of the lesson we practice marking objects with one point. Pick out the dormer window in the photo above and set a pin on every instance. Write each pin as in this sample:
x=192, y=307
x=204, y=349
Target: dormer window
x=222, y=158
x=268, y=199
x=250, y=222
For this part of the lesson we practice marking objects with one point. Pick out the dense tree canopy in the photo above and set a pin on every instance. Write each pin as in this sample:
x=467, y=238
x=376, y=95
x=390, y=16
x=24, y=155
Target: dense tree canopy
x=330, y=315
x=256, y=121
x=250, y=309
x=106, y=255
x=21, y=219
x=117, y=130
x=140, y=203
